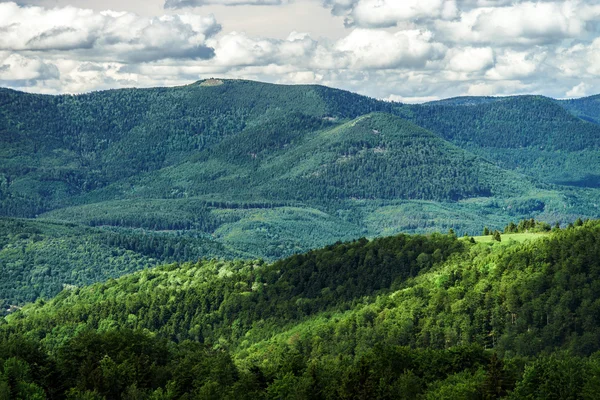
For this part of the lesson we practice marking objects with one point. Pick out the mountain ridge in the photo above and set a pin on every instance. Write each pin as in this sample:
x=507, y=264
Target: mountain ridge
x=266, y=171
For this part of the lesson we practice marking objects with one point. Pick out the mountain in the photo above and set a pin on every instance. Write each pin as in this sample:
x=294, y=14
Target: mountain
x=56, y=147
x=408, y=316
x=586, y=108
x=376, y=156
x=241, y=169
x=533, y=135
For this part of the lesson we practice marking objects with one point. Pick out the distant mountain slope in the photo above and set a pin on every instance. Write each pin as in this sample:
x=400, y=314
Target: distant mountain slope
x=587, y=108
x=376, y=156
x=54, y=147
x=529, y=134
x=58, y=149
x=39, y=259
x=513, y=122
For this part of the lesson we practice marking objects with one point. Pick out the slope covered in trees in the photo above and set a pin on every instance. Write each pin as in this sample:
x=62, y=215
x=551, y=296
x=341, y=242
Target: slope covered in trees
x=253, y=170
x=59, y=151
x=39, y=259
x=399, y=317
x=587, y=108
x=531, y=134
x=54, y=147
x=376, y=156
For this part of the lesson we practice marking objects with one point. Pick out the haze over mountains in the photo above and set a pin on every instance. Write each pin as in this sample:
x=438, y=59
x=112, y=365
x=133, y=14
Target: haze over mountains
x=247, y=169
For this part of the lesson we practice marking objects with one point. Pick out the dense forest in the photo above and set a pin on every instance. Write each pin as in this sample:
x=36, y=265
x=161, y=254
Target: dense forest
x=235, y=169
x=541, y=137
x=234, y=239
x=407, y=316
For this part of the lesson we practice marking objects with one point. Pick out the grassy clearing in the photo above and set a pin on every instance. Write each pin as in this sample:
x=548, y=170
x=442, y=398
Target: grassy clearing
x=517, y=237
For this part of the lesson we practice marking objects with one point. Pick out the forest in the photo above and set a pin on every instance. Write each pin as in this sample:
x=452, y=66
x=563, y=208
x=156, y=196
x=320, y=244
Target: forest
x=249, y=240
x=406, y=316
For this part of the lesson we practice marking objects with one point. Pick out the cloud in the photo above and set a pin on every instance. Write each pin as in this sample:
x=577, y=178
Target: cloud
x=360, y=49
x=578, y=90
x=106, y=35
x=16, y=68
x=504, y=88
x=516, y=65
x=388, y=13
x=581, y=60
x=406, y=50
x=526, y=23
x=174, y=4
x=470, y=59
x=375, y=49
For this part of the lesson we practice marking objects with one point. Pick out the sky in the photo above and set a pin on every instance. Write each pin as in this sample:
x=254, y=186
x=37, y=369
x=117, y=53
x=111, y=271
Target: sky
x=402, y=50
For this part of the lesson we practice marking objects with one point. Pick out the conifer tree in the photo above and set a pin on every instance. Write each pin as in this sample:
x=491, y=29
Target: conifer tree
x=497, y=236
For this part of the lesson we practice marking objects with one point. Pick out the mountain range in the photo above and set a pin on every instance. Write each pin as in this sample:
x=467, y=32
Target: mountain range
x=242, y=169
x=239, y=240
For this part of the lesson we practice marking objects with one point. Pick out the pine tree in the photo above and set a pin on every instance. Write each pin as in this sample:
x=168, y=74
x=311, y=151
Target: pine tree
x=497, y=236
x=511, y=228
x=495, y=380
x=486, y=231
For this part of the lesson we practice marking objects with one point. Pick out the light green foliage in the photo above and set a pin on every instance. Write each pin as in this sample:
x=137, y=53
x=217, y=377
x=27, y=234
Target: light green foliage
x=399, y=317
x=39, y=259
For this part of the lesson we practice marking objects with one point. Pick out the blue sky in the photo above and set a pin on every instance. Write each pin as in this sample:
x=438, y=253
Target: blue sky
x=404, y=50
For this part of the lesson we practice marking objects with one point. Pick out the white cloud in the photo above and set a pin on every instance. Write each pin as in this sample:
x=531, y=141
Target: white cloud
x=470, y=59
x=375, y=49
x=199, y=3
x=388, y=13
x=503, y=88
x=406, y=50
x=106, y=35
x=578, y=91
x=580, y=60
x=16, y=69
x=524, y=23
x=516, y=65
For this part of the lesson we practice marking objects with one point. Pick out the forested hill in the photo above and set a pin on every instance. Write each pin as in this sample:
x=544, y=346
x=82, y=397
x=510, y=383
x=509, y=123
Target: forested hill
x=514, y=122
x=536, y=135
x=399, y=317
x=56, y=147
x=245, y=169
x=587, y=108
x=375, y=156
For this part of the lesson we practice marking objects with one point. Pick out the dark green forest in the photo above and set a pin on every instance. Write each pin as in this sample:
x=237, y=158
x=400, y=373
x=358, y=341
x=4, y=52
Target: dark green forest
x=538, y=136
x=407, y=316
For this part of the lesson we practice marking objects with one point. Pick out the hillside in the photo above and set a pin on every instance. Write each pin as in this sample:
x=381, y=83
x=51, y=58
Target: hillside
x=56, y=147
x=248, y=170
x=399, y=317
x=534, y=135
x=39, y=259
x=587, y=108
x=376, y=156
